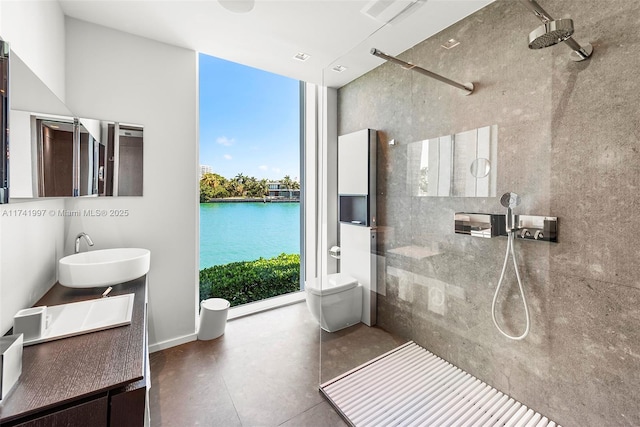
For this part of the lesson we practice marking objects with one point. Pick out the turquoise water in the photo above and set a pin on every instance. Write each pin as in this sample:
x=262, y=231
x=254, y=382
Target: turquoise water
x=246, y=231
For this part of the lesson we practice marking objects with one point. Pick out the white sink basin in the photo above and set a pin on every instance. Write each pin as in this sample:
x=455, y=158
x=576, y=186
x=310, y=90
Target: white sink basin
x=103, y=267
x=77, y=318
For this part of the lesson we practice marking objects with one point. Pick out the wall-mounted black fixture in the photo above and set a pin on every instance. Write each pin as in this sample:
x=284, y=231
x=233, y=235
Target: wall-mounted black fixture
x=4, y=122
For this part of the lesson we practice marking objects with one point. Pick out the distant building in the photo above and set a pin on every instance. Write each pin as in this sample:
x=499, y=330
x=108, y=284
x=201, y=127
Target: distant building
x=205, y=169
x=280, y=191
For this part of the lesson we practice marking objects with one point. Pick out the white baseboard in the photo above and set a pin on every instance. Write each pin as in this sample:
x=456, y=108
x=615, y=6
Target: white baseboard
x=265, y=304
x=235, y=313
x=172, y=342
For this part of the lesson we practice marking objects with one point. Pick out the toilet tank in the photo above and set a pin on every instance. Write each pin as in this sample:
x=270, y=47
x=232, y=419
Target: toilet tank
x=331, y=284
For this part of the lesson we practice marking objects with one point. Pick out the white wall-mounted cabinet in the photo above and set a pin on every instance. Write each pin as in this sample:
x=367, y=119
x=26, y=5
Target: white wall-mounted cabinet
x=354, y=162
x=358, y=259
x=357, y=177
x=357, y=213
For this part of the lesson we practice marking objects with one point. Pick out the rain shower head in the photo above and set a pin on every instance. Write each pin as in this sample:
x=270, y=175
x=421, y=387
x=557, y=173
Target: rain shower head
x=552, y=32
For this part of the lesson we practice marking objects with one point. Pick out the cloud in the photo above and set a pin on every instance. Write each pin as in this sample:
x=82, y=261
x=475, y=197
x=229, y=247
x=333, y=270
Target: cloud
x=227, y=157
x=263, y=167
x=276, y=170
x=223, y=140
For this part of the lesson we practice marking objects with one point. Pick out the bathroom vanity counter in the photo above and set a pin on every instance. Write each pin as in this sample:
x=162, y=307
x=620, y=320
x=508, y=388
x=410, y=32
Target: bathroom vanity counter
x=95, y=379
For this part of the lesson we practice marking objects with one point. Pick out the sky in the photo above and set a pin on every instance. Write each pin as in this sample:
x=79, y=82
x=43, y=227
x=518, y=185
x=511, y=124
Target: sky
x=249, y=121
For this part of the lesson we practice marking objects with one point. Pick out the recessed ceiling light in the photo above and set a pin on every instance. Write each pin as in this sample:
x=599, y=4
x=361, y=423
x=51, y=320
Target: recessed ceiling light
x=450, y=44
x=301, y=56
x=339, y=68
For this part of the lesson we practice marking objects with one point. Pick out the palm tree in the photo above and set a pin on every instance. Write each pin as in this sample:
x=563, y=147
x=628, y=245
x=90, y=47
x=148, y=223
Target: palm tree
x=216, y=185
x=208, y=179
x=286, y=182
x=237, y=188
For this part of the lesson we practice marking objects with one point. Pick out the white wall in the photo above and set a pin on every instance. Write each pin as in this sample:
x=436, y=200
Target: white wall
x=30, y=248
x=35, y=31
x=116, y=76
x=321, y=182
x=31, y=245
x=311, y=172
x=329, y=153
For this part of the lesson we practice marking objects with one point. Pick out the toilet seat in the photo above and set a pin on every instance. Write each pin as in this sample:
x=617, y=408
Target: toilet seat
x=333, y=283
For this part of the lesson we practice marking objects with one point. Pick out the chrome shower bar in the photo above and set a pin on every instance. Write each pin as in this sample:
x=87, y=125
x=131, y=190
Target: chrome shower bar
x=537, y=10
x=467, y=87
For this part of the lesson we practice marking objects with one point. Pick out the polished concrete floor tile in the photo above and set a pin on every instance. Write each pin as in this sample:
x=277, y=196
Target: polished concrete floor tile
x=349, y=348
x=320, y=415
x=264, y=371
x=187, y=388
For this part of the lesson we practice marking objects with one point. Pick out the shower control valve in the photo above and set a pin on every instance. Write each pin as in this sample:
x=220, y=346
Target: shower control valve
x=528, y=227
x=535, y=227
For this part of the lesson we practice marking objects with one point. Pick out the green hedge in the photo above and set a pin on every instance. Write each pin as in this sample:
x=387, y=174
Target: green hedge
x=247, y=281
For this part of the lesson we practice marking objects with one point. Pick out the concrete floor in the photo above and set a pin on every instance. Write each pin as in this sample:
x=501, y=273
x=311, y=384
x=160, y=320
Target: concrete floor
x=264, y=371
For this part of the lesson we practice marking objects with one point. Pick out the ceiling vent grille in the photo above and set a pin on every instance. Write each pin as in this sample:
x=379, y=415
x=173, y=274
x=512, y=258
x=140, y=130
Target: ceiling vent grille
x=388, y=11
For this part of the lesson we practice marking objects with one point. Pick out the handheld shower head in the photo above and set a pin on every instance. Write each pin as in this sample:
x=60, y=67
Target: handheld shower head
x=510, y=200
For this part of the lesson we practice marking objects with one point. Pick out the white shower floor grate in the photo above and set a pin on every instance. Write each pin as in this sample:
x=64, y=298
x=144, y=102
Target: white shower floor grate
x=409, y=386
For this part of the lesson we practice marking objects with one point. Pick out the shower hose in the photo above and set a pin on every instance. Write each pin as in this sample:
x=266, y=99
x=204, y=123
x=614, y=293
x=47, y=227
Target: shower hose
x=510, y=238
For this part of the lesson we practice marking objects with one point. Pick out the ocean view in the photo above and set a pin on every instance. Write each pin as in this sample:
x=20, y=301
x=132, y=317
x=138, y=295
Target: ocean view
x=232, y=232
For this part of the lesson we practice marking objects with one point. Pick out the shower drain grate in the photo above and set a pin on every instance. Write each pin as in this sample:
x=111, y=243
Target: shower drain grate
x=409, y=386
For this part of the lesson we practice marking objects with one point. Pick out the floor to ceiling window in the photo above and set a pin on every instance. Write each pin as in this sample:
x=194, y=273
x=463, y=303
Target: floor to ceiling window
x=249, y=182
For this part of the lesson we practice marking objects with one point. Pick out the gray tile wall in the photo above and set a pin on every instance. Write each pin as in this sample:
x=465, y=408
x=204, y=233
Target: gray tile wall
x=568, y=143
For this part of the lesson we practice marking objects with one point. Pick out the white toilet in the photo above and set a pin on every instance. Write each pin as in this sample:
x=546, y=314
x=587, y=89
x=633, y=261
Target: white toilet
x=337, y=303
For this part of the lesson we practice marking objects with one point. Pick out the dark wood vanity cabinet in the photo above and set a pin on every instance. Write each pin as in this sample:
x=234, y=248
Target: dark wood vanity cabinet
x=92, y=413
x=97, y=379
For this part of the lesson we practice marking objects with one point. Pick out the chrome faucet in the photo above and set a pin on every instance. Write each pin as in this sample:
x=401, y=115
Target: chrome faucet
x=86, y=237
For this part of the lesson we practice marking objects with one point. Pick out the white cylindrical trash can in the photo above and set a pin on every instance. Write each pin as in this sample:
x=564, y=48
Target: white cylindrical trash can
x=213, y=318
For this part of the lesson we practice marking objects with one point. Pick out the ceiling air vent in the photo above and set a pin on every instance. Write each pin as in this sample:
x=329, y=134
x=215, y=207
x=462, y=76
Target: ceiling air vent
x=386, y=11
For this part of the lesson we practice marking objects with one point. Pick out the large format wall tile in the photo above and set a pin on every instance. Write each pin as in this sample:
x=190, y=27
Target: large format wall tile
x=569, y=144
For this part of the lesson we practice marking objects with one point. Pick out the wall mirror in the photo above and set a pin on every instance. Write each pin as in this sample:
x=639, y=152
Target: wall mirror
x=59, y=143
x=53, y=153
x=459, y=165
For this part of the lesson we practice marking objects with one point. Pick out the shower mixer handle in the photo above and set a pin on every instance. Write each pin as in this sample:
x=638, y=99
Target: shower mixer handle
x=535, y=227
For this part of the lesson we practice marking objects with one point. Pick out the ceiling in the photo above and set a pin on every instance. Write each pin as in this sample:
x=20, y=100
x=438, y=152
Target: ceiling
x=332, y=32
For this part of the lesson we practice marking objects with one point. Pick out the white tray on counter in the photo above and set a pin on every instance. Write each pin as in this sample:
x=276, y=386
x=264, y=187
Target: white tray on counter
x=77, y=318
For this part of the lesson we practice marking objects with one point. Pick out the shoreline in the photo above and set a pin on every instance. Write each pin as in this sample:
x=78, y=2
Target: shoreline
x=253, y=200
